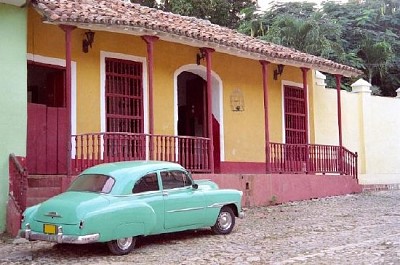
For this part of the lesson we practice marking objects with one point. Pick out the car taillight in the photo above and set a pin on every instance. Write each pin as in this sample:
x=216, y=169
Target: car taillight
x=81, y=224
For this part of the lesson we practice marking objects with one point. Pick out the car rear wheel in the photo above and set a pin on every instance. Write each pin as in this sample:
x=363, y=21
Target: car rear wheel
x=122, y=246
x=225, y=221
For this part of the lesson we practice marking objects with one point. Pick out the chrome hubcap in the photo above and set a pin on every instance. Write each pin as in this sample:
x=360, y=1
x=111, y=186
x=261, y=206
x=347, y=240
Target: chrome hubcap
x=225, y=220
x=124, y=243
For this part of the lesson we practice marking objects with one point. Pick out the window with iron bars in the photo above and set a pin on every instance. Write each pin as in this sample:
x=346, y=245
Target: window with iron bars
x=295, y=125
x=295, y=115
x=124, y=107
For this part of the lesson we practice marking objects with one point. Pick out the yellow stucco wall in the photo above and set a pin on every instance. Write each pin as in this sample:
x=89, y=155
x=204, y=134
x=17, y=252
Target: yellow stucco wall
x=382, y=145
x=326, y=122
x=243, y=131
x=370, y=128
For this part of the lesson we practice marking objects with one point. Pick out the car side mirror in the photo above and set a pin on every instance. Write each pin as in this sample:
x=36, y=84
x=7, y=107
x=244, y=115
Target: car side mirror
x=195, y=186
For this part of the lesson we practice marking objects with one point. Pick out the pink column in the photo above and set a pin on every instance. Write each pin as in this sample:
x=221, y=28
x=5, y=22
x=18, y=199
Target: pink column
x=339, y=108
x=208, y=52
x=266, y=122
x=339, y=114
x=305, y=70
x=150, y=70
x=68, y=30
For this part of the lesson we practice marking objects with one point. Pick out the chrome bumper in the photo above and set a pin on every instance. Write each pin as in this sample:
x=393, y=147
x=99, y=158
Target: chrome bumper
x=28, y=234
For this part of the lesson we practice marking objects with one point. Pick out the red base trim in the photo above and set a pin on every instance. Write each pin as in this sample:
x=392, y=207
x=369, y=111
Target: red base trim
x=267, y=189
x=240, y=167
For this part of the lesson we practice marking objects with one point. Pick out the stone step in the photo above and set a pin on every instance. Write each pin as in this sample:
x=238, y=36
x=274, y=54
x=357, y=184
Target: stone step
x=43, y=192
x=45, y=180
x=33, y=201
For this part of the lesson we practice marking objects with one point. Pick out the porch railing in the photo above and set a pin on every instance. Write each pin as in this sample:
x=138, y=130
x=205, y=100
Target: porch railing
x=312, y=158
x=95, y=148
x=192, y=152
x=18, y=184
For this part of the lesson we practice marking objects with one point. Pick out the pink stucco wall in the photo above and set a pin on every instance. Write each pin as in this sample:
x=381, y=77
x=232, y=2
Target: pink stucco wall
x=266, y=189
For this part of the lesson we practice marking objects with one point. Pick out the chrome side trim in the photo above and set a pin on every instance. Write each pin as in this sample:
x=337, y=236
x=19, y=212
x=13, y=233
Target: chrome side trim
x=220, y=204
x=186, y=210
x=52, y=214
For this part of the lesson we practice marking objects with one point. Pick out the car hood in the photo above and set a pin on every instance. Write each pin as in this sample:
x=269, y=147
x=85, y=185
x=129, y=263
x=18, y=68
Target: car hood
x=69, y=207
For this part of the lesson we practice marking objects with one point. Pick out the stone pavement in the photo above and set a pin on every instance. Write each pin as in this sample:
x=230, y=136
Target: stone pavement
x=351, y=229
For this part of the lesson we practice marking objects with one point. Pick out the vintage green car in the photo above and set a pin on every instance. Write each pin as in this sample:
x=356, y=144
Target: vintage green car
x=119, y=202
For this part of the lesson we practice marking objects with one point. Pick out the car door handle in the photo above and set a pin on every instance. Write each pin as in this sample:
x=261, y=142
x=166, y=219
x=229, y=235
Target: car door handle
x=165, y=193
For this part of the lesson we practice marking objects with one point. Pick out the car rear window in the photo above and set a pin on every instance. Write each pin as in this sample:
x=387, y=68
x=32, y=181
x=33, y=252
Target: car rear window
x=92, y=183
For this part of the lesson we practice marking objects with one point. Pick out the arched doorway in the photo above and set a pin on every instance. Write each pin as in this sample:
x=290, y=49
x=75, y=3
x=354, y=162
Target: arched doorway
x=192, y=105
x=192, y=108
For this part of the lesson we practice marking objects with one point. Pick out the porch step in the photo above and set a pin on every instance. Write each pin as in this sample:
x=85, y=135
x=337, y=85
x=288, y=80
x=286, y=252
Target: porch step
x=33, y=201
x=45, y=180
x=43, y=192
x=43, y=187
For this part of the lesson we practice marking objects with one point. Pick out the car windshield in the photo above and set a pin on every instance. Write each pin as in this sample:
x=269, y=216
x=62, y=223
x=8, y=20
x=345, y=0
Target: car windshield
x=92, y=183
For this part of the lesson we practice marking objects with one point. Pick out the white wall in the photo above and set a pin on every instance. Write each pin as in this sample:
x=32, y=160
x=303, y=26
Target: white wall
x=371, y=127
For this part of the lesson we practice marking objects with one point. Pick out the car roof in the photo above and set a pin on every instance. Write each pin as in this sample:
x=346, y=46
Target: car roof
x=138, y=168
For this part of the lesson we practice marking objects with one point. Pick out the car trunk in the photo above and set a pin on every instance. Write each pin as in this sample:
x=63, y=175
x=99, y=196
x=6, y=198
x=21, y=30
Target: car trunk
x=69, y=207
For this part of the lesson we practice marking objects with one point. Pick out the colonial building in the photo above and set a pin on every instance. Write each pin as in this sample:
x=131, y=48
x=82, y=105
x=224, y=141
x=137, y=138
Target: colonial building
x=111, y=81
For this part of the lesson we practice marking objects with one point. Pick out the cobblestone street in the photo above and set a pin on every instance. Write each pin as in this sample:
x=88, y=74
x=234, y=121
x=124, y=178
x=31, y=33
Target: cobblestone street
x=352, y=229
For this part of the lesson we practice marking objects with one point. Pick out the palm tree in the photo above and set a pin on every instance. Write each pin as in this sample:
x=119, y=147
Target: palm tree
x=376, y=56
x=312, y=35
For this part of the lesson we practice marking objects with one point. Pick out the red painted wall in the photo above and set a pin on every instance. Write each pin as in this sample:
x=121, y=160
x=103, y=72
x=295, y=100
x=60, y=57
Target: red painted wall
x=239, y=167
x=267, y=189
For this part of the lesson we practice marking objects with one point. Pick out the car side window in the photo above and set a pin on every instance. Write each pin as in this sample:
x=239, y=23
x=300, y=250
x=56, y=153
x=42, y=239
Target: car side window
x=175, y=179
x=146, y=183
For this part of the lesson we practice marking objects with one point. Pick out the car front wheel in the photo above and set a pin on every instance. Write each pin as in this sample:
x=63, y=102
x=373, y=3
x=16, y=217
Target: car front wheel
x=122, y=246
x=225, y=221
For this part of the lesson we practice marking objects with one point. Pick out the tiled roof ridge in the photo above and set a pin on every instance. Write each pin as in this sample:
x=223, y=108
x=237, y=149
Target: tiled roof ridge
x=125, y=14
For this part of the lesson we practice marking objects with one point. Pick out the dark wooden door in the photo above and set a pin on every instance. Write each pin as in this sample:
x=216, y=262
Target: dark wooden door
x=47, y=139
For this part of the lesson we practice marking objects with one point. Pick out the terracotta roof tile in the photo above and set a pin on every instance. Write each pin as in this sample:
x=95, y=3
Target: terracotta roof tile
x=116, y=13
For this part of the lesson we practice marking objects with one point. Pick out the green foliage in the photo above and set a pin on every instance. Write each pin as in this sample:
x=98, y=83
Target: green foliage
x=362, y=34
x=376, y=56
x=149, y=3
x=222, y=12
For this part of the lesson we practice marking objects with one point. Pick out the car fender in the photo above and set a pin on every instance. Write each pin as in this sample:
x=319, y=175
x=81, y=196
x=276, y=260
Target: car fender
x=121, y=219
x=216, y=199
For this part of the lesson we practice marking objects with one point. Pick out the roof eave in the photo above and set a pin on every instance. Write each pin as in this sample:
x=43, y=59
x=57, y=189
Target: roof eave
x=176, y=38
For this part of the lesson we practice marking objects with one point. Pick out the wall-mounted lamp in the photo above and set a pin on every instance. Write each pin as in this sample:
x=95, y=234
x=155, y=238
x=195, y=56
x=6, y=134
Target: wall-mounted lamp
x=278, y=71
x=200, y=56
x=237, y=100
x=87, y=41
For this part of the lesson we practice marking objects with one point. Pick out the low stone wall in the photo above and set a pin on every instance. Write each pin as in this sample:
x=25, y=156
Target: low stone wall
x=13, y=218
x=378, y=187
x=268, y=189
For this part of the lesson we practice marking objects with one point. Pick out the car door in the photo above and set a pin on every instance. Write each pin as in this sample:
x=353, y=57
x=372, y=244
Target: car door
x=184, y=205
x=147, y=190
